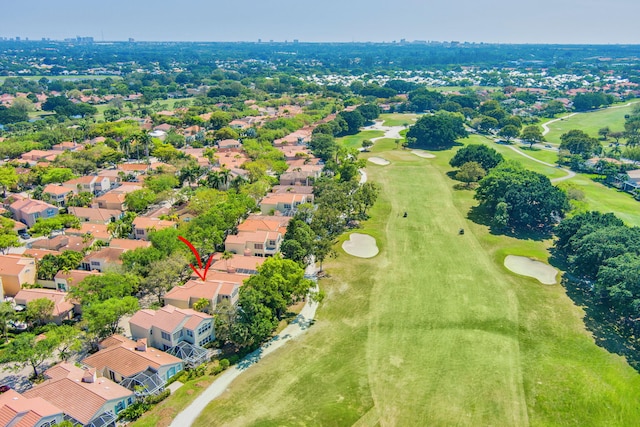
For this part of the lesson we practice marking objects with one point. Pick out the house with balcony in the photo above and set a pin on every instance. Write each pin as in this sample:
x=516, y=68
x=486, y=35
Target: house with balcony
x=286, y=204
x=214, y=291
x=142, y=226
x=254, y=243
x=57, y=194
x=167, y=327
x=90, y=184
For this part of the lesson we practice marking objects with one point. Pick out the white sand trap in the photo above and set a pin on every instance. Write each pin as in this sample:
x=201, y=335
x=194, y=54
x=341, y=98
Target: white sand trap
x=361, y=245
x=379, y=161
x=423, y=154
x=531, y=268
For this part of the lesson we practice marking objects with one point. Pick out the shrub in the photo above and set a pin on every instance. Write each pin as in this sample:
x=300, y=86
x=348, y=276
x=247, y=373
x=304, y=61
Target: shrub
x=157, y=398
x=134, y=411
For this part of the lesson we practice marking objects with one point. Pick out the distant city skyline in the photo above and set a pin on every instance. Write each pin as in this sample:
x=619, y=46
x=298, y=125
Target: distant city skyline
x=489, y=21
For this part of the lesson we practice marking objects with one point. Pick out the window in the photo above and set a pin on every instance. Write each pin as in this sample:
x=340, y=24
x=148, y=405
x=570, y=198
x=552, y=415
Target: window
x=120, y=406
x=189, y=333
x=287, y=205
x=258, y=246
x=272, y=242
x=96, y=263
x=166, y=336
x=139, y=232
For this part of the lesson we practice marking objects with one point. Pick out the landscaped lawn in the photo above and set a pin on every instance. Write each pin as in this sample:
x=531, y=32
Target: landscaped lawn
x=397, y=119
x=355, y=141
x=591, y=122
x=434, y=330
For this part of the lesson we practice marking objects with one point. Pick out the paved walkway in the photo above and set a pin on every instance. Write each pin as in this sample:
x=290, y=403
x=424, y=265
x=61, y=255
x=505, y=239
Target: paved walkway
x=300, y=325
x=569, y=173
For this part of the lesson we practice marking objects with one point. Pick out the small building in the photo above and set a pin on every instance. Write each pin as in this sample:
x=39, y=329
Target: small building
x=65, y=280
x=57, y=193
x=255, y=243
x=90, y=184
x=214, y=291
x=286, y=204
x=111, y=200
x=229, y=145
x=103, y=259
x=96, y=215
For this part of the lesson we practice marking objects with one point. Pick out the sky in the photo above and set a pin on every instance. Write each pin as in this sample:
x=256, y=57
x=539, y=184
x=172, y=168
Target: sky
x=490, y=21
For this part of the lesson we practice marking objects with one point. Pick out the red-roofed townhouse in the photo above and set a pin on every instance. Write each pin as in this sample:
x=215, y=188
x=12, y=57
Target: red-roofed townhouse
x=57, y=193
x=17, y=410
x=286, y=204
x=65, y=280
x=168, y=326
x=28, y=211
x=90, y=184
x=16, y=271
x=83, y=396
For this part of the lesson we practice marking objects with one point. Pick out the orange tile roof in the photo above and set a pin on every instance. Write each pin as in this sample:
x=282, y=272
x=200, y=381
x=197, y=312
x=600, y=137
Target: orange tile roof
x=147, y=223
x=168, y=318
x=75, y=276
x=56, y=189
x=238, y=262
x=13, y=403
x=99, y=231
x=107, y=254
x=127, y=361
x=28, y=206
x=13, y=265
x=80, y=400
x=291, y=198
x=38, y=254
x=128, y=244
x=95, y=214
x=255, y=223
x=61, y=305
x=111, y=197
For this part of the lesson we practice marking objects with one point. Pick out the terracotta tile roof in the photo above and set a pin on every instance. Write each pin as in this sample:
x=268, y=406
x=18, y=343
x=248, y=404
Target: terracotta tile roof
x=245, y=237
x=126, y=360
x=111, y=197
x=98, y=231
x=61, y=306
x=31, y=410
x=80, y=400
x=132, y=167
x=56, y=189
x=238, y=262
x=111, y=255
x=255, y=223
x=273, y=199
x=83, y=180
x=296, y=189
x=148, y=223
x=13, y=265
x=95, y=214
x=39, y=253
x=168, y=318
x=75, y=276
x=62, y=242
x=128, y=244
x=28, y=206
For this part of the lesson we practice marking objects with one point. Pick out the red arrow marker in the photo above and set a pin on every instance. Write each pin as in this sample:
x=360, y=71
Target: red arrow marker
x=202, y=276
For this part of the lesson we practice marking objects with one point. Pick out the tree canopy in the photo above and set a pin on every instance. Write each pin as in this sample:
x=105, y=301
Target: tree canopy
x=437, y=130
x=486, y=156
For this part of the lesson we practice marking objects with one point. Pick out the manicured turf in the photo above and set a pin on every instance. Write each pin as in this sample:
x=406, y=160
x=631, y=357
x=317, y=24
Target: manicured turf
x=355, y=141
x=395, y=119
x=434, y=330
x=591, y=122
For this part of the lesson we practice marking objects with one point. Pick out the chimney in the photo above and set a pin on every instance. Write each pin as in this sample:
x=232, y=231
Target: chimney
x=89, y=376
x=141, y=345
x=231, y=269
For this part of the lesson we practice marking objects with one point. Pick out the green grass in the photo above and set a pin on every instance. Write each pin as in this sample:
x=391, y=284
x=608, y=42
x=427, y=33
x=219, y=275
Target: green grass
x=509, y=154
x=434, y=330
x=355, y=141
x=591, y=122
x=397, y=119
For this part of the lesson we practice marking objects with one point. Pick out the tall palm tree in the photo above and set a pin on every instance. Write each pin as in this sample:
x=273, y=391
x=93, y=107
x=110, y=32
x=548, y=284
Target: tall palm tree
x=225, y=174
x=214, y=179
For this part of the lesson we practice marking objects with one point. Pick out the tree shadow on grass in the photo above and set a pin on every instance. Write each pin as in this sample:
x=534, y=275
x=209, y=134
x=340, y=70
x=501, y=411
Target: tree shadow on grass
x=432, y=148
x=481, y=215
x=607, y=333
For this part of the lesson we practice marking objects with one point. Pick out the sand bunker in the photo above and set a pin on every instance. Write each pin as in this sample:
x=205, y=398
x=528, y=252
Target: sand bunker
x=531, y=268
x=379, y=161
x=423, y=154
x=361, y=245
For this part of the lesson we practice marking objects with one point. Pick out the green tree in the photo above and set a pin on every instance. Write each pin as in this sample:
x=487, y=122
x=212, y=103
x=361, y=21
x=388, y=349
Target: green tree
x=201, y=305
x=366, y=144
x=509, y=132
x=164, y=274
x=44, y=226
x=577, y=142
x=470, y=172
x=40, y=311
x=438, y=130
x=103, y=317
x=354, y=119
x=27, y=349
x=298, y=242
x=532, y=134
x=108, y=285
x=486, y=156
x=532, y=200
x=8, y=178
x=8, y=236
x=82, y=199
x=323, y=146
x=57, y=175
x=67, y=338
x=139, y=200
x=501, y=216
x=7, y=314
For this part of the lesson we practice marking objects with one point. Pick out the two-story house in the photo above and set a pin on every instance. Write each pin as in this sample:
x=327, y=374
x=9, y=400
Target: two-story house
x=28, y=211
x=167, y=327
x=255, y=243
x=18, y=410
x=57, y=194
x=214, y=291
x=89, y=184
x=287, y=204
x=142, y=226
x=16, y=271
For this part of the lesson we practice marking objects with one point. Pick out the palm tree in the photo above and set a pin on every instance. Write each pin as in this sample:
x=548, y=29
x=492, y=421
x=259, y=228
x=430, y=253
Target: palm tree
x=214, y=180
x=226, y=256
x=225, y=174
